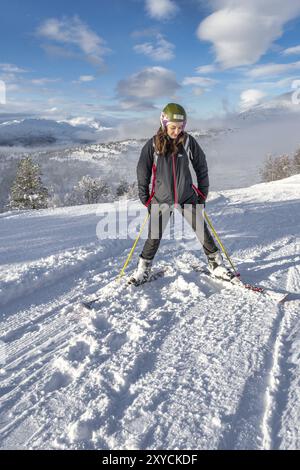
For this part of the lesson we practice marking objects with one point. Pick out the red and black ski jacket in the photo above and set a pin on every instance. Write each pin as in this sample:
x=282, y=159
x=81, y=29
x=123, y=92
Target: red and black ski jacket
x=172, y=181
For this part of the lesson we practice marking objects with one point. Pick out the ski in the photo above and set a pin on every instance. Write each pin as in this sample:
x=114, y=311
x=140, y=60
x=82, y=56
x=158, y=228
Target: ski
x=89, y=303
x=152, y=277
x=279, y=297
x=128, y=282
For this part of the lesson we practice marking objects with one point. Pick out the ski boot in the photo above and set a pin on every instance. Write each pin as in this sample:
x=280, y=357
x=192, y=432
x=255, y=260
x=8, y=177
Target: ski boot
x=142, y=272
x=217, y=268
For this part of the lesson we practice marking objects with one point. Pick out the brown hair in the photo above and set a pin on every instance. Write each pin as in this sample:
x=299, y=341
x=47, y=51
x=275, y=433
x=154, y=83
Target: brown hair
x=164, y=145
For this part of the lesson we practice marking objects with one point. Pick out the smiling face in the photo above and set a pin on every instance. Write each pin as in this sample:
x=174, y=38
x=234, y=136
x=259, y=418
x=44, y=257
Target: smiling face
x=174, y=129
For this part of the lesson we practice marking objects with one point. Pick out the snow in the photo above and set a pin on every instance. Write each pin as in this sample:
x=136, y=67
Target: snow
x=85, y=121
x=179, y=363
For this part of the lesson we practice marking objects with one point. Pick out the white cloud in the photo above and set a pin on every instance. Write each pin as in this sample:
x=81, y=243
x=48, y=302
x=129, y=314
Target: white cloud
x=141, y=33
x=161, y=9
x=10, y=68
x=51, y=110
x=198, y=91
x=73, y=32
x=206, y=69
x=86, y=78
x=250, y=98
x=148, y=84
x=283, y=83
x=265, y=85
x=161, y=51
x=58, y=106
x=13, y=87
x=199, y=81
x=272, y=69
x=59, y=51
x=292, y=50
x=44, y=81
x=8, y=77
x=241, y=31
x=11, y=74
x=135, y=105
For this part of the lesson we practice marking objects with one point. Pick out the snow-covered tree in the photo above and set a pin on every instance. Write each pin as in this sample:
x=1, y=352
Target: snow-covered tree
x=28, y=191
x=8, y=169
x=88, y=191
x=296, y=163
x=122, y=188
x=54, y=200
x=132, y=192
x=276, y=168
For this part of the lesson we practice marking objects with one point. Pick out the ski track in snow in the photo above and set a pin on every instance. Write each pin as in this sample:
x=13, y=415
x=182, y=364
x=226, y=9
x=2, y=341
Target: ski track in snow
x=180, y=363
x=282, y=395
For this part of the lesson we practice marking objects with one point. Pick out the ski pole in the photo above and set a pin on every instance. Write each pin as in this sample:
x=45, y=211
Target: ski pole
x=133, y=248
x=219, y=241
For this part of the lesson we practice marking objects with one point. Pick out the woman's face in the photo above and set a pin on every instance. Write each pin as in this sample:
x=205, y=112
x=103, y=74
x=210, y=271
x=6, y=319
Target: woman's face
x=174, y=129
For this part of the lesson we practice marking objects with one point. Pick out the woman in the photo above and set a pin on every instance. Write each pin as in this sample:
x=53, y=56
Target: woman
x=166, y=158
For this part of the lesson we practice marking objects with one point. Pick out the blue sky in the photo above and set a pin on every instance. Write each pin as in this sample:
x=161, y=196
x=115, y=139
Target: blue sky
x=120, y=59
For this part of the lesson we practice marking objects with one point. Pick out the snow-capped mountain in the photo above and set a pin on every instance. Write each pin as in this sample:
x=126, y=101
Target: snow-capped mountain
x=179, y=363
x=82, y=121
x=34, y=132
x=276, y=108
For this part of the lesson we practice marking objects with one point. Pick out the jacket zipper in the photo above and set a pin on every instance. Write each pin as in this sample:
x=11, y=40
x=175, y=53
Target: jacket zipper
x=153, y=185
x=174, y=180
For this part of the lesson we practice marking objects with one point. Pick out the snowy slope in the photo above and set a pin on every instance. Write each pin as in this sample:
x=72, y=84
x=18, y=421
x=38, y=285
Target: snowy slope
x=178, y=363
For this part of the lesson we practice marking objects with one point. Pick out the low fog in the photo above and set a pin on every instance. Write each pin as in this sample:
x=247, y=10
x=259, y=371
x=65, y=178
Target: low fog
x=235, y=146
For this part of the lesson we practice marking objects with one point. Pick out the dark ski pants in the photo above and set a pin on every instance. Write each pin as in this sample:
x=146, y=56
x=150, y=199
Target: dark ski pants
x=159, y=218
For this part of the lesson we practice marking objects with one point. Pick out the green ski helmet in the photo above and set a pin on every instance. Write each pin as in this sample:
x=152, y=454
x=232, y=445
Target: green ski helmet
x=173, y=112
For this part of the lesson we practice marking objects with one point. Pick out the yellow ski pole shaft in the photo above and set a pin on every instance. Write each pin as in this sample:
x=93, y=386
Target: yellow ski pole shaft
x=133, y=248
x=219, y=241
